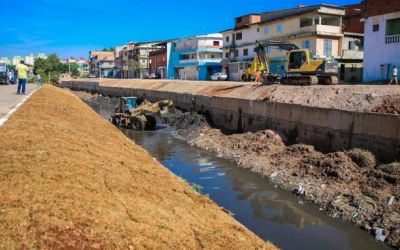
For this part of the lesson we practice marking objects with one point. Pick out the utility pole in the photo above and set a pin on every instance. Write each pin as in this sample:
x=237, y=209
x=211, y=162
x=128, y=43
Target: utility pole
x=69, y=69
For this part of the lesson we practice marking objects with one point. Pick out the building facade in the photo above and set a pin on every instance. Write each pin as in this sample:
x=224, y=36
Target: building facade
x=316, y=28
x=194, y=58
x=158, y=61
x=381, y=39
x=101, y=63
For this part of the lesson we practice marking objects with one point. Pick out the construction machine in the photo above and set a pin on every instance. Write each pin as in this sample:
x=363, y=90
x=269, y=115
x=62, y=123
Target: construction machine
x=301, y=68
x=259, y=64
x=141, y=117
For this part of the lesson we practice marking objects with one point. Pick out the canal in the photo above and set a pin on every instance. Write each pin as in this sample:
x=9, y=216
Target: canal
x=273, y=214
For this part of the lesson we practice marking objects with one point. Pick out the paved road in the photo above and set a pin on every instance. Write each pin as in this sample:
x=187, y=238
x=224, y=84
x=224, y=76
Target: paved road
x=9, y=99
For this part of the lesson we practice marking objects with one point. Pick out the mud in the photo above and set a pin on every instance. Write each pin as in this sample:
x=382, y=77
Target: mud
x=349, y=185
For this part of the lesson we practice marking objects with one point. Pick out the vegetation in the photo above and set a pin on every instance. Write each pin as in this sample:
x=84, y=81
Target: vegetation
x=50, y=69
x=362, y=158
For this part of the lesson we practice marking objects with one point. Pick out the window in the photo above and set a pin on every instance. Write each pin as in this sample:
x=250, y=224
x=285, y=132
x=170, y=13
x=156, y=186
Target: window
x=327, y=47
x=352, y=45
x=304, y=22
x=375, y=27
x=245, y=52
x=236, y=53
x=212, y=56
x=393, y=27
x=258, y=30
x=216, y=43
x=268, y=49
x=279, y=27
x=305, y=44
x=353, y=68
x=317, y=20
x=227, y=39
x=266, y=31
x=226, y=54
x=297, y=59
x=239, y=36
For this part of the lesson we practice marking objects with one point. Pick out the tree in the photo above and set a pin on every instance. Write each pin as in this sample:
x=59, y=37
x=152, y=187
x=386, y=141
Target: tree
x=50, y=68
x=74, y=68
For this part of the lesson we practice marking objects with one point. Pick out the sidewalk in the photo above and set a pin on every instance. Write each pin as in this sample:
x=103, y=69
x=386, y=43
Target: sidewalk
x=9, y=99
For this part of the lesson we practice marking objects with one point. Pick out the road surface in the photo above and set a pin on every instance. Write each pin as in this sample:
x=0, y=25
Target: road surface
x=9, y=99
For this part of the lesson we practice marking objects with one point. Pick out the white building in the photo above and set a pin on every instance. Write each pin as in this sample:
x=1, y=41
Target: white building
x=16, y=60
x=29, y=60
x=381, y=43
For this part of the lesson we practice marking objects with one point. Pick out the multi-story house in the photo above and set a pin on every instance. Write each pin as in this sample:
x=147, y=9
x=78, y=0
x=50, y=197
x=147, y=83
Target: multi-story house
x=239, y=44
x=134, y=58
x=194, y=58
x=158, y=61
x=381, y=39
x=316, y=28
x=5, y=60
x=16, y=60
x=101, y=63
x=352, y=54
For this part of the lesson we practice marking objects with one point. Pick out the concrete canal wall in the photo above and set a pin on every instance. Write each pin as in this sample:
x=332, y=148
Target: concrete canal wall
x=328, y=129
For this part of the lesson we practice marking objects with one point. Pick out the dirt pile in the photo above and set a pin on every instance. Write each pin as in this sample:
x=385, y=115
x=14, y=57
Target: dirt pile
x=184, y=121
x=349, y=185
x=390, y=105
x=69, y=179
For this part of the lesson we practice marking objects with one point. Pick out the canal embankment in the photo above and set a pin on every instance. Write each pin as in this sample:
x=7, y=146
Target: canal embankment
x=69, y=179
x=329, y=117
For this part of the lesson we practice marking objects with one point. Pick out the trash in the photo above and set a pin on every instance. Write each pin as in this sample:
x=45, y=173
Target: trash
x=354, y=214
x=321, y=209
x=274, y=174
x=379, y=234
x=391, y=200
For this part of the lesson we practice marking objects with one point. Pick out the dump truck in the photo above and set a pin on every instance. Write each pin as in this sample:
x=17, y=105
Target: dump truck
x=301, y=68
x=141, y=117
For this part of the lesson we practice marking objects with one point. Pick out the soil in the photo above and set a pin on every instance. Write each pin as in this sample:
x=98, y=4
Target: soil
x=390, y=104
x=69, y=179
x=350, y=185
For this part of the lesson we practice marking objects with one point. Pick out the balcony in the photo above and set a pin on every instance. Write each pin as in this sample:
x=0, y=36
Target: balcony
x=201, y=60
x=392, y=39
x=353, y=54
x=323, y=29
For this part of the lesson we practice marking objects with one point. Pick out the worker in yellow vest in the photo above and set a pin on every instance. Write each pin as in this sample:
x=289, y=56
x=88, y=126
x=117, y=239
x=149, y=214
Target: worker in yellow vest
x=22, y=73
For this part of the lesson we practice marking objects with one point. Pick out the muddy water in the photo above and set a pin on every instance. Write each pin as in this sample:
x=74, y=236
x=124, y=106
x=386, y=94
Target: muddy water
x=272, y=214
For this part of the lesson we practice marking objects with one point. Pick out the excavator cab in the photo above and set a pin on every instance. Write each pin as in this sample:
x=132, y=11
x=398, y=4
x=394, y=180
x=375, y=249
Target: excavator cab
x=297, y=58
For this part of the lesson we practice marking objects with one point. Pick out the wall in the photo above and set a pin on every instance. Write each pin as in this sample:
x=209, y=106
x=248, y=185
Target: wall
x=379, y=56
x=327, y=129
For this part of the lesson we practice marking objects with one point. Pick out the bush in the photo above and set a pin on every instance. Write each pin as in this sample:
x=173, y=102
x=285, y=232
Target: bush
x=362, y=158
x=31, y=80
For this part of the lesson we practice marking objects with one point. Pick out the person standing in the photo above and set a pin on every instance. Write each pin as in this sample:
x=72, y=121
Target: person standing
x=39, y=80
x=22, y=72
x=394, y=76
x=257, y=76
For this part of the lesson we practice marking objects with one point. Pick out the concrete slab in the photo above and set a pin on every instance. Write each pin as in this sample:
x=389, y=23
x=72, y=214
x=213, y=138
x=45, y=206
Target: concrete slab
x=9, y=99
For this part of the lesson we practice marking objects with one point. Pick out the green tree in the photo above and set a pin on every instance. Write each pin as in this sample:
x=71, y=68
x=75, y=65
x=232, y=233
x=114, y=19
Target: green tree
x=74, y=67
x=50, y=68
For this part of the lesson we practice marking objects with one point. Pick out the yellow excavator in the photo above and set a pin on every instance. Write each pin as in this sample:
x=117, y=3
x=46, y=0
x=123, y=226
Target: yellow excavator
x=301, y=69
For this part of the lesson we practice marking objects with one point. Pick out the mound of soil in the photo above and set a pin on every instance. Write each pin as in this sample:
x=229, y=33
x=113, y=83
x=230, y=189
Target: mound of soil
x=71, y=180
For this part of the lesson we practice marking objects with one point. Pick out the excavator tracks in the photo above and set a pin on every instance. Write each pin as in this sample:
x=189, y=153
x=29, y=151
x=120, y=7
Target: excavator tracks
x=300, y=80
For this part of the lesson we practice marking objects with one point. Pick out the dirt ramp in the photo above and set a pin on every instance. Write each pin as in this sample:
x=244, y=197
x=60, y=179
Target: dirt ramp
x=68, y=179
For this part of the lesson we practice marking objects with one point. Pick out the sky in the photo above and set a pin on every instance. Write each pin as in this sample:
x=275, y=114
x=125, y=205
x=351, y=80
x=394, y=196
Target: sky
x=74, y=27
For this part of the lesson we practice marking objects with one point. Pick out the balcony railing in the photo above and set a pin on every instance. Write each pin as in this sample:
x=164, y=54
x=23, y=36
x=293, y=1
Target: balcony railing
x=201, y=60
x=392, y=39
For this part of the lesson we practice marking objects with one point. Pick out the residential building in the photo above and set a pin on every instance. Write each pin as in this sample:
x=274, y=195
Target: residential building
x=16, y=60
x=101, y=63
x=29, y=60
x=5, y=60
x=239, y=44
x=352, y=54
x=317, y=28
x=381, y=39
x=194, y=58
x=158, y=61
x=118, y=61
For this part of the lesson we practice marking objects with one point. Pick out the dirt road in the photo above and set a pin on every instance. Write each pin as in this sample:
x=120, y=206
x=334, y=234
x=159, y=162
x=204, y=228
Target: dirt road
x=345, y=97
x=69, y=179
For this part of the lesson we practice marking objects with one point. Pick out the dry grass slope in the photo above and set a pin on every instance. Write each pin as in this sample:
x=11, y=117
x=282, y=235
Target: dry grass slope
x=68, y=179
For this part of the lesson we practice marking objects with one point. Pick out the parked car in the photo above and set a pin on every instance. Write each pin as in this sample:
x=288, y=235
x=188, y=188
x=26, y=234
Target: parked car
x=153, y=76
x=219, y=77
x=93, y=75
x=11, y=77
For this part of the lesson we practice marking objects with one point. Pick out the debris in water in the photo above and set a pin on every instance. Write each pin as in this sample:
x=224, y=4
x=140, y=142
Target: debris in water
x=379, y=234
x=391, y=201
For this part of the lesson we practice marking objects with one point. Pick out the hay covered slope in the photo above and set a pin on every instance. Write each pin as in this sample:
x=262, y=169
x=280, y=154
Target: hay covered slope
x=70, y=179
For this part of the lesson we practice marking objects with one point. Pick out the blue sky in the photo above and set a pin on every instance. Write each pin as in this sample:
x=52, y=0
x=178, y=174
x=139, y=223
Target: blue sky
x=73, y=27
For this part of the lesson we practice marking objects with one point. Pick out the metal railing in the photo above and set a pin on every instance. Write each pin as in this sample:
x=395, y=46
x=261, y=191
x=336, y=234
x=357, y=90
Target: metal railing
x=392, y=39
